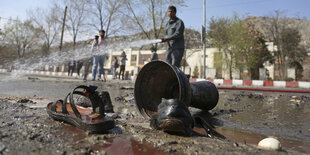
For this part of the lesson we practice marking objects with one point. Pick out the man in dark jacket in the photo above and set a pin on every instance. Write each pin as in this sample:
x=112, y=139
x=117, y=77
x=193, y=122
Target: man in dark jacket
x=174, y=36
x=71, y=66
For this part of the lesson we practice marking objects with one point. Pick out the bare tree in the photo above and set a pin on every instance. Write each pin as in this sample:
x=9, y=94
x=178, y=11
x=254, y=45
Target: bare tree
x=20, y=35
x=47, y=21
x=76, y=16
x=106, y=15
x=150, y=15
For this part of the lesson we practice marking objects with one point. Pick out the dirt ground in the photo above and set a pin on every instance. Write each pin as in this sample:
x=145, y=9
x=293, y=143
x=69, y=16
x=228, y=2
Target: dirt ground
x=26, y=128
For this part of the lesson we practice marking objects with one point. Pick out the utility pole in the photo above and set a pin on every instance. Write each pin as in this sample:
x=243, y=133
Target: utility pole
x=204, y=39
x=61, y=37
x=63, y=28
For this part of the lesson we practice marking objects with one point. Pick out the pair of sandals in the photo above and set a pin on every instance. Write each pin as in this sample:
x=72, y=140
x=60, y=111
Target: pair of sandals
x=93, y=120
x=174, y=117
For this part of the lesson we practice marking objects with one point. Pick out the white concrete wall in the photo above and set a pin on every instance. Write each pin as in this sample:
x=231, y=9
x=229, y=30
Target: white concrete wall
x=291, y=73
x=195, y=58
x=130, y=53
x=270, y=68
x=235, y=73
x=210, y=73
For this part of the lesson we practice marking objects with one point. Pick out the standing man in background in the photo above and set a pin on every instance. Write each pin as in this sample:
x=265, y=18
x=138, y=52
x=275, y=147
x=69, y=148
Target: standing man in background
x=99, y=57
x=123, y=65
x=174, y=36
x=88, y=61
x=115, y=66
x=71, y=66
x=78, y=67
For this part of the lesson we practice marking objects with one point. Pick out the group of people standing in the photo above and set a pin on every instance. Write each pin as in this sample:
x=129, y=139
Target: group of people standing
x=99, y=56
x=98, y=60
x=71, y=66
x=122, y=65
x=174, y=37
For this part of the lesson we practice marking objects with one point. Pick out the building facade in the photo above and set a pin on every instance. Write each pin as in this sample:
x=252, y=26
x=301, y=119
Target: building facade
x=193, y=64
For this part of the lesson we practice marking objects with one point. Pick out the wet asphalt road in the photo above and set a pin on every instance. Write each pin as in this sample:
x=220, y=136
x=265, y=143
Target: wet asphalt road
x=242, y=116
x=52, y=88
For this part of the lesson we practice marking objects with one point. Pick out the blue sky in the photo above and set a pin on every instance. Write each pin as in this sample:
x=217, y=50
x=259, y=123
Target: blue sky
x=14, y=8
x=192, y=14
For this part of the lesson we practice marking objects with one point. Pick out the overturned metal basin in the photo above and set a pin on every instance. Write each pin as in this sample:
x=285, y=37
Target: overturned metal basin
x=158, y=80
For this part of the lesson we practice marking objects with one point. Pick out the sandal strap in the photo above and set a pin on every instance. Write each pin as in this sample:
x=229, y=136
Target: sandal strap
x=54, y=105
x=93, y=96
x=95, y=99
x=64, y=107
x=71, y=101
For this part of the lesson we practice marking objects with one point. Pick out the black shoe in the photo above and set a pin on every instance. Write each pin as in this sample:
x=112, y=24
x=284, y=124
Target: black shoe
x=173, y=117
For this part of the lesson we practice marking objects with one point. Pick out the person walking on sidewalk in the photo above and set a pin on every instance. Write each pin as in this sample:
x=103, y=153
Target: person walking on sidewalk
x=99, y=56
x=78, y=67
x=174, y=36
x=71, y=66
x=87, y=63
x=115, y=66
x=123, y=65
x=94, y=50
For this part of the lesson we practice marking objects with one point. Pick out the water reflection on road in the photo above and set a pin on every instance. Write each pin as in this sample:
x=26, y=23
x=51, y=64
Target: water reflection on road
x=122, y=144
x=251, y=116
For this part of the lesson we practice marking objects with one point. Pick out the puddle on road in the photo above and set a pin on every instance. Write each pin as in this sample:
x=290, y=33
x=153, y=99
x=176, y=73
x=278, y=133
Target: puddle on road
x=117, y=145
x=251, y=138
x=128, y=146
x=283, y=115
x=71, y=133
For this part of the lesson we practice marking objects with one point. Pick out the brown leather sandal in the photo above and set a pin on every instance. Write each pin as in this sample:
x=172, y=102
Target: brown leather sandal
x=93, y=120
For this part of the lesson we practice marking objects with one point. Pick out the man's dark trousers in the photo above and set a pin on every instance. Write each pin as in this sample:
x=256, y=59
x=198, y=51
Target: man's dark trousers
x=174, y=56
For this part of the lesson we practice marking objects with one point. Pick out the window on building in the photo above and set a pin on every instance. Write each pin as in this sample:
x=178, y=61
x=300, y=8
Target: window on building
x=133, y=60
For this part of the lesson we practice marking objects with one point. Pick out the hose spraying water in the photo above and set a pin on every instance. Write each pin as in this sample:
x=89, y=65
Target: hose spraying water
x=57, y=58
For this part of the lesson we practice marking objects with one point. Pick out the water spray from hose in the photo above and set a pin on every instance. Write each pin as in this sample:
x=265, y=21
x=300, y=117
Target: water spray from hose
x=55, y=58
